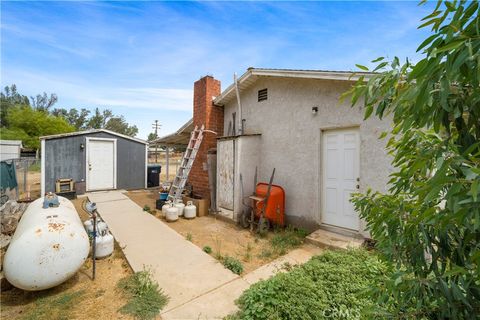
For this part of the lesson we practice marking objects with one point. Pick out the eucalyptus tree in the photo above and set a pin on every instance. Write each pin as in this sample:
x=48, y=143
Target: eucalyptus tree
x=427, y=225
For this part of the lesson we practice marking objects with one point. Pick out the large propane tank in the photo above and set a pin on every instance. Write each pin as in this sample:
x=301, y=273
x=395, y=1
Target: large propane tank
x=180, y=206
x=190, y=210
x=48, y=247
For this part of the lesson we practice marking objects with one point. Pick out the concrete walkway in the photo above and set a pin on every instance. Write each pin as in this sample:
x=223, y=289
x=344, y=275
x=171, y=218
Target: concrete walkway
x=182, y=269
x=220, y=302
x=198, y=285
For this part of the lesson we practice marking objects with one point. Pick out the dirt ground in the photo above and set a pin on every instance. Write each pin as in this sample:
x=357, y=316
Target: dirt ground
x=225, y=239
x=77, y=298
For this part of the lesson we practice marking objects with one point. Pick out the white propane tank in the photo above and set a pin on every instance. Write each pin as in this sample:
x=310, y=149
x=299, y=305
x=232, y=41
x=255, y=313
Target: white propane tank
x=172, y=213
x=180, y=206
x=165, y=207
x=48, y=247
x=104, y=245
x=101, y=226
x=190, y=211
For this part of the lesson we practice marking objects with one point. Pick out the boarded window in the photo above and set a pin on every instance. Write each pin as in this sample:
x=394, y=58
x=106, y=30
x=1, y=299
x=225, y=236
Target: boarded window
x=262, y=95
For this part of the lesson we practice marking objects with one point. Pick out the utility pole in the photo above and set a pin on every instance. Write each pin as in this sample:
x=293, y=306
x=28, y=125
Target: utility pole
x=156, y=126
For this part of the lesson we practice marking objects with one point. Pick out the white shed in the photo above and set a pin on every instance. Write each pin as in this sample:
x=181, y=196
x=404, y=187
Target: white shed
x=10, y=149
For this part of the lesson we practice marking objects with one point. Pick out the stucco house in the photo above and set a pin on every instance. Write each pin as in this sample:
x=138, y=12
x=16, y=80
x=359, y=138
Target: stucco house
x=292, y=121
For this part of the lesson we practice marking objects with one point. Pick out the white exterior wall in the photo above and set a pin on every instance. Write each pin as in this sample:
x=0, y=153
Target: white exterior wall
x=291, y=137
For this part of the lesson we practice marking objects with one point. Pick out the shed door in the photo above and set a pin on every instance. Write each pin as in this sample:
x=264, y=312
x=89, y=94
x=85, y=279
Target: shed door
x=340, y=177
x=225, y=171
x=101, y=164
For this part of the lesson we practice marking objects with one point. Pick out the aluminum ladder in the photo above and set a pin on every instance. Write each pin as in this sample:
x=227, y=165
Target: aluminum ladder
x=180, y=180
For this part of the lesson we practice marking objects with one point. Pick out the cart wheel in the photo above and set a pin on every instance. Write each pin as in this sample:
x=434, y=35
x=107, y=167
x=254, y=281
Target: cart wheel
x=245, y=219
x=263, y=225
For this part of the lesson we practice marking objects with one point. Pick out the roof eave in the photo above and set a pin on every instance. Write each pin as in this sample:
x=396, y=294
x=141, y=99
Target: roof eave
x=304, y=74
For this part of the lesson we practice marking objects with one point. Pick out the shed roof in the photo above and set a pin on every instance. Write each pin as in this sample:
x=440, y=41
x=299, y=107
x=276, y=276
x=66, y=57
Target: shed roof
x=179, y=138
x=86, y=132
x=252, y=74
x=11, y=142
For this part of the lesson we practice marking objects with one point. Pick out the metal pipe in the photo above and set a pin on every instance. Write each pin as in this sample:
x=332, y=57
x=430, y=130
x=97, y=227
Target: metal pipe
x=94, y=242
x=240, y=122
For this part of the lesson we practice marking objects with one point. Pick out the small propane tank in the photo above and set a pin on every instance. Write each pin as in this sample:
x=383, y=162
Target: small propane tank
x=165, y=207
x=190, y=210
x=172, y=213
x=180, y=206
x=104, y=245
x=101, y=226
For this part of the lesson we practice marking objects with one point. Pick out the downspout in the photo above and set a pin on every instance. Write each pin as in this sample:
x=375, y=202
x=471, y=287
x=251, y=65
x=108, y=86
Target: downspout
x=240, y=119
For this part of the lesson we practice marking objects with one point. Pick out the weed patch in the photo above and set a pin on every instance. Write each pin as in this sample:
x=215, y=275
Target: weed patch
x=207, y=249
x=145, y=298
x=329, y=286
x=232, y=264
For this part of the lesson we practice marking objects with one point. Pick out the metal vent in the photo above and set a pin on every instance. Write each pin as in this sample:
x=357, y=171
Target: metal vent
x=262, y=94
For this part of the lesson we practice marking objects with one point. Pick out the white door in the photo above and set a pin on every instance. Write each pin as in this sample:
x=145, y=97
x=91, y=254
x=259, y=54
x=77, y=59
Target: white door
x=101, y=164
x=340, y=177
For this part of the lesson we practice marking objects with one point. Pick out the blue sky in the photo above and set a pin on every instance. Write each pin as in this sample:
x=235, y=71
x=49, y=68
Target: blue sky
x=140, y=59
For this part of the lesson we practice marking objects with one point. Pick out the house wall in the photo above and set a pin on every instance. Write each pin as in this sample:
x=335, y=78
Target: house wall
x=65, y=159
x=291, y=137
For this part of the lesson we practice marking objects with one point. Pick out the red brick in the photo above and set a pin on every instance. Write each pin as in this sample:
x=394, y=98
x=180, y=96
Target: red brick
x=205, y=113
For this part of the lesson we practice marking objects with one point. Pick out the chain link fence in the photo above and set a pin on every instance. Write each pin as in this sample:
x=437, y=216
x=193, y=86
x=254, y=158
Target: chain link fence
x=27, y=176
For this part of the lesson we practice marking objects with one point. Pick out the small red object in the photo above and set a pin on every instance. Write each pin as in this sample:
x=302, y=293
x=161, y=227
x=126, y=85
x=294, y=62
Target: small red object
x=275, y=210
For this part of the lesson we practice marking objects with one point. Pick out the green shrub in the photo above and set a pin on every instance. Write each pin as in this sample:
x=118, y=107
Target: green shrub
x=329, y=286
x=207, y=249
x=189, y=237
x=146, y=208
x=145, y=298
x=233, y=264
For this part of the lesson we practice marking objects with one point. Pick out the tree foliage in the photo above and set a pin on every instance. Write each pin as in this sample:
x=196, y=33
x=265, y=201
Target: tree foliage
x=9, y=98
x=27, y=120
x=28, y=125
x=428, y=224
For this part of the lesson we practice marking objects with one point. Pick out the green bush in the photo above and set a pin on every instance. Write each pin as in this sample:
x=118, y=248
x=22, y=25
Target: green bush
x=329, y=286
x=207, y=249
x=145, y=298
x=233, y=264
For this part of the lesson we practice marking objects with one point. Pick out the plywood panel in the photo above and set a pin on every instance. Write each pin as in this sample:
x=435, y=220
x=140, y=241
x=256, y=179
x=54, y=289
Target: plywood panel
x=225, y=174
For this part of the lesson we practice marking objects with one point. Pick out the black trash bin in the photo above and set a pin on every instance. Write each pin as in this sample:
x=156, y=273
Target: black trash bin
x=153, y=175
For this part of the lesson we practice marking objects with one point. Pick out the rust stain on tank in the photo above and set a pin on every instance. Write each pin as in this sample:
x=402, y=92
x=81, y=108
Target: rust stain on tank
x=55, y=227
x=38, y=231
x=56, y=246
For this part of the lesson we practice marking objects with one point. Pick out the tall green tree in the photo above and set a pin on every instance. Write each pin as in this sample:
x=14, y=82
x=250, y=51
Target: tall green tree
x=9, y=97
x=428, y=224
x=119, y=125
x=28, y=125
x=76, y=118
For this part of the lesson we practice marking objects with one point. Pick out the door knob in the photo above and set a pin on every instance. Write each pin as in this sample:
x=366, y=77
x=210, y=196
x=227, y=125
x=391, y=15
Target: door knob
x=358, y=186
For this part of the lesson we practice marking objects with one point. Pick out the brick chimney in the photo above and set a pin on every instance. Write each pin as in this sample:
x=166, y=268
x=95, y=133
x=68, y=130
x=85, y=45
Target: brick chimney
x=204, y=112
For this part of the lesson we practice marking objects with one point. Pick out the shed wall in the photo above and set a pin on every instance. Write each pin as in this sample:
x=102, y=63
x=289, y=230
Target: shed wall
x=291, y=137
x=65, y=159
